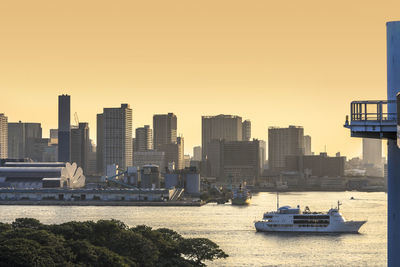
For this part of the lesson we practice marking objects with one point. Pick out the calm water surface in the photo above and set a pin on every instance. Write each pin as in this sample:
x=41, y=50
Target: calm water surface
x=232, y=228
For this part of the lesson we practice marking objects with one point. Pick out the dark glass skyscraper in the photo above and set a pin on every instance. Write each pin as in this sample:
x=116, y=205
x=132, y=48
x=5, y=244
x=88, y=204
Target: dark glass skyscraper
x=64, y=128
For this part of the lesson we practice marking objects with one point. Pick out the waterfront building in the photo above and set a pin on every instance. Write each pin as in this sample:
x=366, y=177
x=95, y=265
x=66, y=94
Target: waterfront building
x=284, y=142
x=80, y=145
x=246, y=130
x=307, y=145
x=372, y=151
x=150, y=176
x=316, y=165
x=164, y=129
x=22, y=138
x=150, y=157
x=174, y=152
x=116, y=139
x=64, y=128
x=234, y=161
x=197, y=153
x=143, y=138
x=3, y=136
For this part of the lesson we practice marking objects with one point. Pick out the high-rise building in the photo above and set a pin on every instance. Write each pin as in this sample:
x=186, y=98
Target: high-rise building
x=263, y=152
x=372, y=151
x=80, y=145
x=164, y=129
x=241, y=161
x=221, y=127
x=144, y=138
x=117, y=136
x=284, y=142
x=54, y=136
x=235, y=161
x=246, y=130
x=22, y=138
x=100, y=144
x=3, y=136
x=174, y=152
x=197, y=153
x=307, y=145
x=64, y=128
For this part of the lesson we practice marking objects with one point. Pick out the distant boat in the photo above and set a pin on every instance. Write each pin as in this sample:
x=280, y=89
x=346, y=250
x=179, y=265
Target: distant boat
x=287, y=219
x=241, y=195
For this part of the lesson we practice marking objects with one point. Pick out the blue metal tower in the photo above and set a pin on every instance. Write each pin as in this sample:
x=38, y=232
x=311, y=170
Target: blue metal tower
x=378, y=119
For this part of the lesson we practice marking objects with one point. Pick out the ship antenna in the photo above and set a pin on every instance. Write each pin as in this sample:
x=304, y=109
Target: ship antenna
x=277, y=200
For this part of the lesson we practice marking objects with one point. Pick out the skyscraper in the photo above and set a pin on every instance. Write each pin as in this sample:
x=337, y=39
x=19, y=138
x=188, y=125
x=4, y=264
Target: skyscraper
x=3, y=136
x=144, y=138
x=284, y=142
x=246, y=130
x=100, y=144
x=372, y=151
x=64, y=128
x=22, y=140
x=80, y=146
x=117, y=136
x=174, y=152
x=197, y=153
x=221, y=127
x=164, y=129
x=307, y=145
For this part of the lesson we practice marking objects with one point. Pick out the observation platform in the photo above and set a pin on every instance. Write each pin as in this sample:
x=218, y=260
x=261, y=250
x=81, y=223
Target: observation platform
x=370, y=119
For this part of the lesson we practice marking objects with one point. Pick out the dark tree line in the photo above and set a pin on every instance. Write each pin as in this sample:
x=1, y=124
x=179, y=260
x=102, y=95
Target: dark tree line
x=27, y=242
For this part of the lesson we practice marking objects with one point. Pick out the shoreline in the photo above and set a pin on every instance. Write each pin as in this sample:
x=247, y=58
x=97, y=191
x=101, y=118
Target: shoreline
x=99, y=203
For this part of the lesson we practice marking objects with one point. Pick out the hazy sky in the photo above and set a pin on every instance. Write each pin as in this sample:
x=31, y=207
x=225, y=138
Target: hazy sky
x=277, y=63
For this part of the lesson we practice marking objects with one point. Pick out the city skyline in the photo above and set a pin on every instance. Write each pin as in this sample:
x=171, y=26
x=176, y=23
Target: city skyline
x=275, y=64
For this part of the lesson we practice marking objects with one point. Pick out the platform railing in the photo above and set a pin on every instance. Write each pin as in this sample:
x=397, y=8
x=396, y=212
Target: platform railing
x=371, y=110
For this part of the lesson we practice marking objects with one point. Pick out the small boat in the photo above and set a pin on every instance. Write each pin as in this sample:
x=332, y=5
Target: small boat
x=241, y=195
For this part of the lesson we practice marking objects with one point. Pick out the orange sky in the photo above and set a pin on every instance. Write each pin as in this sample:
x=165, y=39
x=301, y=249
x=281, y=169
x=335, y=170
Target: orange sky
x=273, y=62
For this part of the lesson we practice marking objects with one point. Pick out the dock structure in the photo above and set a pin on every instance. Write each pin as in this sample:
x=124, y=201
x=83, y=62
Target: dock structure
x=379, y=119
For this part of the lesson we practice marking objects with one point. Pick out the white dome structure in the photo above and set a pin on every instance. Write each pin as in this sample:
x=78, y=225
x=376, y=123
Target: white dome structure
x=72, y=176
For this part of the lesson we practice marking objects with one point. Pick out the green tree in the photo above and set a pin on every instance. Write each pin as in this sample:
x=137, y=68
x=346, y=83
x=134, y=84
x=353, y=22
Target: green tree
x=201, y=249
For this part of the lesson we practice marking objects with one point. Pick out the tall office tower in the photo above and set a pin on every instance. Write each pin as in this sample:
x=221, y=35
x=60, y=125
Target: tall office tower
x=80, y=146
x=246, y=130
x=3, y=136
x=144, y=138
x=263, y=152
x=117, y=136
x=164, y=129
x=100, y=144
x=197, y=153
x=174, y=152
x=64, y=128
x=221, y=127
x=22, y=140
x=284, y=142
x=307, y=145
x=372, y=151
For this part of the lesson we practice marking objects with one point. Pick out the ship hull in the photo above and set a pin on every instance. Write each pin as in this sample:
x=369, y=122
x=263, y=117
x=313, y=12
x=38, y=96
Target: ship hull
x=345, y=227
x=241, y=201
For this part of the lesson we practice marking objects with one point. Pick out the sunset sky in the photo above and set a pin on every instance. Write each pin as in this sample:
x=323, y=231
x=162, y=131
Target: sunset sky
x=277, y=63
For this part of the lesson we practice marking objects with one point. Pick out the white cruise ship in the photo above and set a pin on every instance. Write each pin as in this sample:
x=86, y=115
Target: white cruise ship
x=287, y=219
